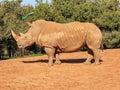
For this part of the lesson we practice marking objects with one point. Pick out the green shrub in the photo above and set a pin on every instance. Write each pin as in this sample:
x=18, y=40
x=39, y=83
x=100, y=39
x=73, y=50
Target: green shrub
x=111, y=39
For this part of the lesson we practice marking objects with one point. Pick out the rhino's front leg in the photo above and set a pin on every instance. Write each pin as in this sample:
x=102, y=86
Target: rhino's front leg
x=50, y=52
x=57, y=59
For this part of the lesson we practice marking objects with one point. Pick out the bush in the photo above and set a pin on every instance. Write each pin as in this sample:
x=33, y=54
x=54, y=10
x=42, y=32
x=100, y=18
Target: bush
x=111, y=40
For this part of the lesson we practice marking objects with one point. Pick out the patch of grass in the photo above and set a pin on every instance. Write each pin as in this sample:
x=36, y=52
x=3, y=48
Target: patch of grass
x=33, y=55
x=26, y=56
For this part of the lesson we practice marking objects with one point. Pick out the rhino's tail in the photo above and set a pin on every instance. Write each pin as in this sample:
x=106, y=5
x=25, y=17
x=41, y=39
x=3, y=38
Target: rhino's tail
x=101, y=46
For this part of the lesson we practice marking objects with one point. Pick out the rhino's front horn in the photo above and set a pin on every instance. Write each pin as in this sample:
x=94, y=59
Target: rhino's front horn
x=29, y=24
x=14, y=35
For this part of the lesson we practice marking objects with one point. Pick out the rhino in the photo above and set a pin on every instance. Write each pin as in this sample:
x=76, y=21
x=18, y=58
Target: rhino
x=66, y=37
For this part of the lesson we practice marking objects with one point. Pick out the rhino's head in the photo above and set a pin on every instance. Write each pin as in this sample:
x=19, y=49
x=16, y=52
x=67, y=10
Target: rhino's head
x=24, y=40
x=30, y=37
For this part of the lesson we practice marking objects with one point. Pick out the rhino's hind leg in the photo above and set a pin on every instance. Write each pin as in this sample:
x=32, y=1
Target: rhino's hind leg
x=97, y=56
x=89, y=58
x=57, y=59
x=50, y=52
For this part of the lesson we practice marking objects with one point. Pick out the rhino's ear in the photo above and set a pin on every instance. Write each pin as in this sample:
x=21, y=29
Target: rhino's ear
x=29, y=24
x=14, y=35
x=21, y=34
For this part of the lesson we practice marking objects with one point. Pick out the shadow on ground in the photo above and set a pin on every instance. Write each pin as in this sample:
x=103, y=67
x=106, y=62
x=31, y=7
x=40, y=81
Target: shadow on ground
x=73, y=61
x=63, y=61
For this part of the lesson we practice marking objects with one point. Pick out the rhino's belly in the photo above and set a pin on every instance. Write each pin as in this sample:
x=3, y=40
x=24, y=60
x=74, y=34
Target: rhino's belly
x=70, y=43
x=71, y=47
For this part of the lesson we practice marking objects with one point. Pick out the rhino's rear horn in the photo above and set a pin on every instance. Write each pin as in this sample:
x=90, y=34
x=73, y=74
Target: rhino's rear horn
x=14, y=35
x=21, y=34
x=29, y=24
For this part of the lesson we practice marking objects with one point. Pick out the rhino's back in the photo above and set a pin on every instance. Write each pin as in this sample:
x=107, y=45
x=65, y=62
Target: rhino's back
x=67, y=37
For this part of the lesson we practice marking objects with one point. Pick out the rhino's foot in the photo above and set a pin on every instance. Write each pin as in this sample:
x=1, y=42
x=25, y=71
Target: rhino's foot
x=50, y=64
x=87, y=63
x=57, y=62
x=97, y=63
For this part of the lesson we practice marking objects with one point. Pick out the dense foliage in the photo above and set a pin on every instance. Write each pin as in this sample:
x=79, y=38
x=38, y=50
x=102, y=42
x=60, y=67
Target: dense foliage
x=104, y=13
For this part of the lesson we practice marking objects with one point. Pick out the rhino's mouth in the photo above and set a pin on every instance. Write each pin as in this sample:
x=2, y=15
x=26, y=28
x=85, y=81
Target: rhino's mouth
x=20, y=46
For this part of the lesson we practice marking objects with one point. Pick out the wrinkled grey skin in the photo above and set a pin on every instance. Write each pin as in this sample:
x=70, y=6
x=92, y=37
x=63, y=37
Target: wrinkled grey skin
x=56, y=38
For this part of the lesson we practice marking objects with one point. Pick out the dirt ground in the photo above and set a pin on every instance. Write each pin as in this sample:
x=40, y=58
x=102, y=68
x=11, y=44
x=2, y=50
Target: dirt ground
x=34, y=74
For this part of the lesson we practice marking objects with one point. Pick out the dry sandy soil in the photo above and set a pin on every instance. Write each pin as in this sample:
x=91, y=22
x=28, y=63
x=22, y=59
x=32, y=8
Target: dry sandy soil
x=34, y=74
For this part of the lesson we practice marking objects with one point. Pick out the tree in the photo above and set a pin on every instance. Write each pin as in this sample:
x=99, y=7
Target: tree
x=108, y=14
x=11, y=19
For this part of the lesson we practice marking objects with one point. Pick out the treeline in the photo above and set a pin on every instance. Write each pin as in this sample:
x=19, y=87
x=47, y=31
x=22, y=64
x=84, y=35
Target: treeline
x=104, y=13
